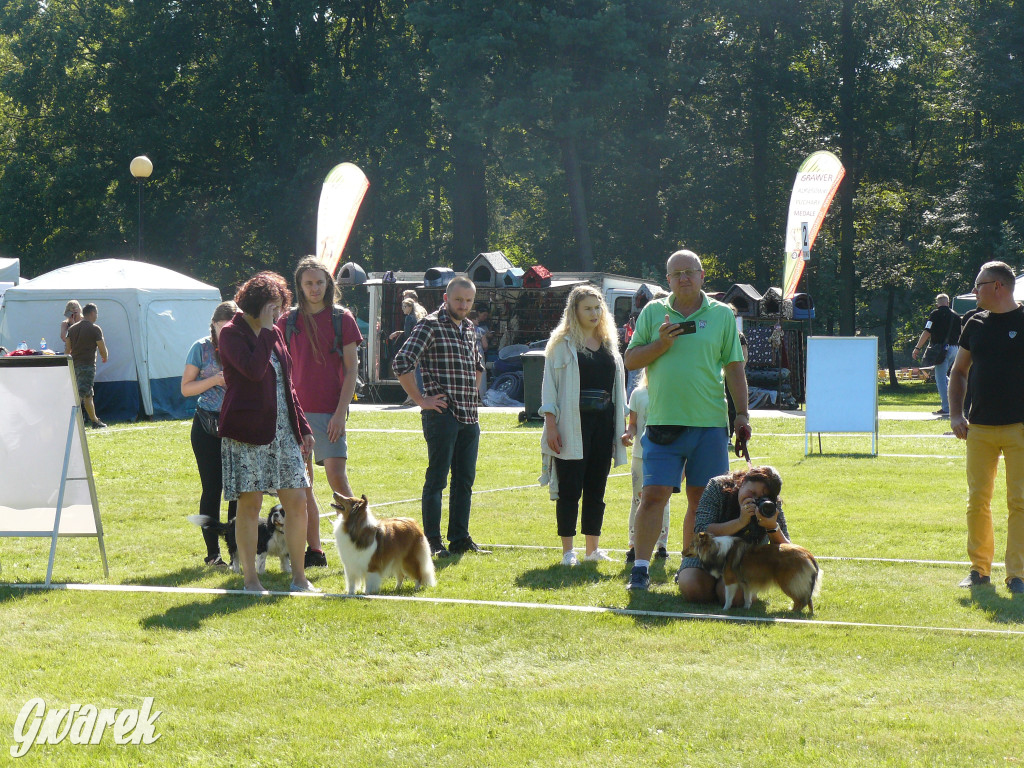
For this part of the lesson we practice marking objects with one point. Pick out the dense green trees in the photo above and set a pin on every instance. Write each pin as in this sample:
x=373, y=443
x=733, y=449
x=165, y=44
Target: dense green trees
x=590, y=133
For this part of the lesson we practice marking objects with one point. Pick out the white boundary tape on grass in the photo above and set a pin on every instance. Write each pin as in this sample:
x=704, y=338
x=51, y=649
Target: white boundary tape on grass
x=836, y=558
x=630, y=612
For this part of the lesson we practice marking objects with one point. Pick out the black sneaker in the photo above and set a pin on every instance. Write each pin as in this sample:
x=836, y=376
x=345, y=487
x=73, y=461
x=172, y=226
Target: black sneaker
x=216, y=562
x=315, y=558
x=1016, y=585
x=639, y=580
x=975, y=579
x=466, y=545
x=437, y=548
x=631, y=555
x=661, y=554
x=98, y=425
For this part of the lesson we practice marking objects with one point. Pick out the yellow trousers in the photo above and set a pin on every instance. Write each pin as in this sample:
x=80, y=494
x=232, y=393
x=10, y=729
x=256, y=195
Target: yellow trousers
x=984, y=444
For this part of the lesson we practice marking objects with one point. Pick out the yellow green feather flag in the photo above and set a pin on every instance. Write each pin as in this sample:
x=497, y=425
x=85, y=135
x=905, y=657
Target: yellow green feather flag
x=816, y=183
x=342, y=193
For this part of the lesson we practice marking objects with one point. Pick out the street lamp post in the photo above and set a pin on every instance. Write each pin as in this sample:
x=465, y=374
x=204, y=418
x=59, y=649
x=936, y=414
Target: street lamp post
x=141, y=167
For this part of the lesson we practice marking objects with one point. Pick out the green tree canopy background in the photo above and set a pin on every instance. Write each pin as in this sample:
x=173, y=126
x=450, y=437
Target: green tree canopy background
x=589, y=134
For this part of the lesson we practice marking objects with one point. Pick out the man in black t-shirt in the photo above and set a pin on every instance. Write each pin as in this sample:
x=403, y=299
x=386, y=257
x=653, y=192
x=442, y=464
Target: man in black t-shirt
x=942, y=330
x=992, y=353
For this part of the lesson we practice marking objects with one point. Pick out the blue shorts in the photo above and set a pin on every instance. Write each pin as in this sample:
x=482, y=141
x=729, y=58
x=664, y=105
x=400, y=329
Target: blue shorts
x=702, y=452
x=322, y=447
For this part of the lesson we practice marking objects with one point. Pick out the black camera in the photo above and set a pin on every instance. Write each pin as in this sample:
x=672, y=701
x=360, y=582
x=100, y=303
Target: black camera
x=765, y=507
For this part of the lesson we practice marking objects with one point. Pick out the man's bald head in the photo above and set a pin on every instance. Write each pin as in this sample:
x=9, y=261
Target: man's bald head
x=683, y=260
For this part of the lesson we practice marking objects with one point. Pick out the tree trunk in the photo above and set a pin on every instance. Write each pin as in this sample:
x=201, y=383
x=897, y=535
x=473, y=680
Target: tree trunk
x=847, y=110
x=577, y=204
x=890, y=360
x=469, y=200
x=759, y=183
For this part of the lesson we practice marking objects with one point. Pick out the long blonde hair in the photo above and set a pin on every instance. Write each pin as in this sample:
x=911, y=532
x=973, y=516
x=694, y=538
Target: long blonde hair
x=569, y=326
x=418, y=310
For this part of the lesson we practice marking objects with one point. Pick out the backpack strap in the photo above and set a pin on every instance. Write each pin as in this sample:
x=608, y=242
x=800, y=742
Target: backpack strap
x=337, y=317
x=291, y=325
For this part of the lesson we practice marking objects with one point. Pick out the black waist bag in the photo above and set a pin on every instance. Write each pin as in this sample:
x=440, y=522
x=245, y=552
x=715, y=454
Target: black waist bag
x=664, y=434
x=208, y=420
x=595, y=400
x=935, y=354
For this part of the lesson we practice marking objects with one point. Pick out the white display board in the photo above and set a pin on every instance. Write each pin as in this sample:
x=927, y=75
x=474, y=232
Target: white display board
x=46, y=482
x=842, y=386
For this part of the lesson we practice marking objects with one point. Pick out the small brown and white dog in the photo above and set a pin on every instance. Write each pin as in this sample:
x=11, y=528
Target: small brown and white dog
x=754, y=567
x=372, y=550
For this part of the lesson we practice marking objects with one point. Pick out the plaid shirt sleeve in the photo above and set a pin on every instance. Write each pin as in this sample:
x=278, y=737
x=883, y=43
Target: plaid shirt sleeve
x=409, y=355
x=709, y=509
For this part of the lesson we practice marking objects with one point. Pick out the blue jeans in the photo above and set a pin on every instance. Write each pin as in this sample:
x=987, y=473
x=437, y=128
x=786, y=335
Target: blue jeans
x=451, y=445
x=942, y=376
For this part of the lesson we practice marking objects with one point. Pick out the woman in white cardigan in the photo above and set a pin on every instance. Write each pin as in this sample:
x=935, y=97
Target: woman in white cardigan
x=583, y=406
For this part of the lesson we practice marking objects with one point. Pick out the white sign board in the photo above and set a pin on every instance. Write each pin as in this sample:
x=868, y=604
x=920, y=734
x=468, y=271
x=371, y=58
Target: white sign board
x=46, y=482
x=842, y=386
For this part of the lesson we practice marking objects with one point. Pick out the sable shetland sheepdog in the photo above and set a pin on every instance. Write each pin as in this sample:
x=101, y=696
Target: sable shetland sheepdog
x=755, y=566
x=269, y=538
x=372, y=550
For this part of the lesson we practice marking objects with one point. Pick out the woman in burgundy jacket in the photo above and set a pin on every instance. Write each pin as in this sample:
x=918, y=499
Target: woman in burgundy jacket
x=265, y=435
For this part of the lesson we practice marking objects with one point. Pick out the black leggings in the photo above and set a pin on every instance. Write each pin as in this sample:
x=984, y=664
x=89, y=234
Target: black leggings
x=586, y=477
x=207, y=450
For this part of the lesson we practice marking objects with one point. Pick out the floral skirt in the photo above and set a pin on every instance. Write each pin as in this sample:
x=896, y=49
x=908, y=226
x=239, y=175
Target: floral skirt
x=263, y=468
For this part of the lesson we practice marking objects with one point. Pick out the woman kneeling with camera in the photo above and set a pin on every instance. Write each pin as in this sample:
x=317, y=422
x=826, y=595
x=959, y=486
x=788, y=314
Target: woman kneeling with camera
x=744, y=504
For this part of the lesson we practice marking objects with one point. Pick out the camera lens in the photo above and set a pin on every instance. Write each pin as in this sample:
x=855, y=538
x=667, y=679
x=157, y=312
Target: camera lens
x=765, y=507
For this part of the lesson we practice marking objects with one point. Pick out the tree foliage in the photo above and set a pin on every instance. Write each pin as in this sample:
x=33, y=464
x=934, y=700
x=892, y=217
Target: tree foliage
x=593, y=134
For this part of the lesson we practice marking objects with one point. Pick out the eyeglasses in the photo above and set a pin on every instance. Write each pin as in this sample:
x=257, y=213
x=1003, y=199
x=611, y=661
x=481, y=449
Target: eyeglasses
x=985, y=282
x=689, y=274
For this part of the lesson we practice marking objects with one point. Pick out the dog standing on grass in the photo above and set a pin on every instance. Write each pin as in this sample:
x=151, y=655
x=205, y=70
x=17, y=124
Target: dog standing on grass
x=269, y=539
x=755, y=567
x=372, y=550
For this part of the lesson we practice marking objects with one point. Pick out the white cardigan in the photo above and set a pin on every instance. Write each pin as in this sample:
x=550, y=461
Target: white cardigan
x=560, y=396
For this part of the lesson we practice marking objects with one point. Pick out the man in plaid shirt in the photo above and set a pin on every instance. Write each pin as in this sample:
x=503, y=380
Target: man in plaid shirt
x=444, y=345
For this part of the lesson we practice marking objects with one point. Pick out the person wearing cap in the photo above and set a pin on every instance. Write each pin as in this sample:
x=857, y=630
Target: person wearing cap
x=72, y=314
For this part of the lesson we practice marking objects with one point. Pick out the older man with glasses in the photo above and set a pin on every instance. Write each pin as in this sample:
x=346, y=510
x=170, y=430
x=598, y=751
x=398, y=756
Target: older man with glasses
x=992, y=353
x=686, y=341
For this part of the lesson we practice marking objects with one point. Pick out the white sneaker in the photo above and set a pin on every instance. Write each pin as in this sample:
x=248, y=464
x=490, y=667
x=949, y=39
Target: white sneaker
x=569, y=558
x=597, y=556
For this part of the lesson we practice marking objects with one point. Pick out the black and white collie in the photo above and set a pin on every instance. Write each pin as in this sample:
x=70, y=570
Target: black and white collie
x=269, y=538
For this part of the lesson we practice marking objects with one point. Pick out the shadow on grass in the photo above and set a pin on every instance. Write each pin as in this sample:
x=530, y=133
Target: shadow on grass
x=556, y=576
x=664, y=597
x=190, y=617
x=193, y=576
x=1000, y=608
x=10, y=594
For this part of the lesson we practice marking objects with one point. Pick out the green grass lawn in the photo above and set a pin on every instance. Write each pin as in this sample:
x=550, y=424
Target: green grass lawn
x=909, y=396
x=245, y=680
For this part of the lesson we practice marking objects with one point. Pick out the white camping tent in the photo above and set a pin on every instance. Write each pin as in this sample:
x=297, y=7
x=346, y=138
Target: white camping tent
x=150, y=316
x=10, y=270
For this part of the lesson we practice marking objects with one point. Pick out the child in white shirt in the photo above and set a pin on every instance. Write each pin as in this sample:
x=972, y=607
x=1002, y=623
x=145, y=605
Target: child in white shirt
x=637, y=422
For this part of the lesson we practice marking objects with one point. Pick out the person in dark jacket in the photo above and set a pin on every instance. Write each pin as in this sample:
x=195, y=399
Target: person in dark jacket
x=941, y=331
x=265, y=436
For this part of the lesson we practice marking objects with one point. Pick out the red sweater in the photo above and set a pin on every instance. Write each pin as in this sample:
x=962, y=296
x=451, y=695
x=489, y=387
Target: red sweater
x=249, y=412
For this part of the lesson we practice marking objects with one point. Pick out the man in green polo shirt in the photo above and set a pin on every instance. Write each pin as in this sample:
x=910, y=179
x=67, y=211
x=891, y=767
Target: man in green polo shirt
x=686, y=341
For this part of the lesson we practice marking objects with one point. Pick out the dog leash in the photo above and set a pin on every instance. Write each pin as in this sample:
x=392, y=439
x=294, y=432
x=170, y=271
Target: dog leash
x=742, y=437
